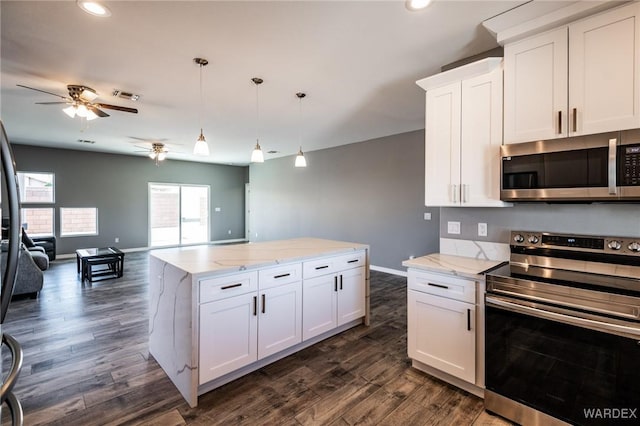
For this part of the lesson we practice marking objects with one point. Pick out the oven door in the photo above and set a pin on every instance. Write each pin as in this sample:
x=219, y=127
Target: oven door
x=583, y=371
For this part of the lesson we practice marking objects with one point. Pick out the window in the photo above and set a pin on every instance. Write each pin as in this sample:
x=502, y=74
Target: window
x=78, y=221
x=36, y=187
x=178, y=214
x=37, y=221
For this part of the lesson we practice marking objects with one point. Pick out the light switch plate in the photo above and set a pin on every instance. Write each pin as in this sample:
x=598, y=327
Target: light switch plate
x=453, y=227
x=427, y=216
x=482, y=229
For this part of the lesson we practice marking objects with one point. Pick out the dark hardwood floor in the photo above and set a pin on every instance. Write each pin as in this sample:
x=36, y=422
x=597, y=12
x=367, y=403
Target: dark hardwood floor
x=86, y=362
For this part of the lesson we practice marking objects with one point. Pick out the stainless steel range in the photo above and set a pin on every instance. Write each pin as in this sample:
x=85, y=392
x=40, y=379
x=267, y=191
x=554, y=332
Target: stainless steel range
x=563, y=331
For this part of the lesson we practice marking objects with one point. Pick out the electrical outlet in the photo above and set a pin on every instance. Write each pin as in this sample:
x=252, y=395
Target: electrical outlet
x=453, y=227
x=229, y=231
x=217, y=209
x=427, y=216
x=117, y=239
x=482, y=229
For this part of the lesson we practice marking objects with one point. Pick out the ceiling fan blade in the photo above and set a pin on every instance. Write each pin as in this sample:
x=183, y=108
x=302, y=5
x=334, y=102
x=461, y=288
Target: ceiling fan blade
x=43, y=91
x=149, y=140
x=51, y=103
x=117, y=108
x=97, y=111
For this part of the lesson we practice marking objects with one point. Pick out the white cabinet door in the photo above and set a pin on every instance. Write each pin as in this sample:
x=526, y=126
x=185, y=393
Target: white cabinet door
x=351, y=295
x=442, y=145
x=319, y=305
x=441, y=333
x=535, y=87
x=604, y=71
x=280, y=318
x=481, y=136
x=228, y=335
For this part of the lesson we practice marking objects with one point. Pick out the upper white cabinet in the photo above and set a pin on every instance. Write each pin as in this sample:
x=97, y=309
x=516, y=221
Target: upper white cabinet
x=578, y=79
x=463, y=134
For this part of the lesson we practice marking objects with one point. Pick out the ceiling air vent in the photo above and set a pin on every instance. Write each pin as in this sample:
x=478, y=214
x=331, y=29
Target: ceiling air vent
x=125, y=95
x=86, y=141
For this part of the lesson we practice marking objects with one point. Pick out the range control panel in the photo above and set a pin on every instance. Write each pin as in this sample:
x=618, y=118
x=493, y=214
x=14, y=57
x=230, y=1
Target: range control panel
x=586, y=243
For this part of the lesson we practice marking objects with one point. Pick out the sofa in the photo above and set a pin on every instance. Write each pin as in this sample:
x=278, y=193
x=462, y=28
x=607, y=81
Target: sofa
x=30, y=275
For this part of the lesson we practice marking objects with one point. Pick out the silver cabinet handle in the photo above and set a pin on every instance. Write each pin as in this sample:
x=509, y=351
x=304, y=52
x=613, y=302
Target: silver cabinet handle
x=632, y=331
x=16, y=364
x=465, y=192
x=15, y=409
x=613, y=147
x=454, y=195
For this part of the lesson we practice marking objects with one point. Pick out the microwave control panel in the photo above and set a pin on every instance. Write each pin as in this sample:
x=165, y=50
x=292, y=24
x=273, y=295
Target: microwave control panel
x=630, y=165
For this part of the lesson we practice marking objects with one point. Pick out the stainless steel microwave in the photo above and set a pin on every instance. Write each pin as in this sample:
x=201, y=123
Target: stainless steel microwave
x=600, y=167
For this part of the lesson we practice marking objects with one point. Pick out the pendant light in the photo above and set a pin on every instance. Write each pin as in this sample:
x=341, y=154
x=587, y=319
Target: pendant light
x=201, y=147
x=300, y=160
x=257, y=156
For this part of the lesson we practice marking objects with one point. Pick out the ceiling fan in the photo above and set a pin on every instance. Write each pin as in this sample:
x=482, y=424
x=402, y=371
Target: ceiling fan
x=158, y=152
x=81, y=102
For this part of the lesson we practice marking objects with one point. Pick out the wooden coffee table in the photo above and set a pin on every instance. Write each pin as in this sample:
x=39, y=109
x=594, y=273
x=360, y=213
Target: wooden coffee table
x=88, y=258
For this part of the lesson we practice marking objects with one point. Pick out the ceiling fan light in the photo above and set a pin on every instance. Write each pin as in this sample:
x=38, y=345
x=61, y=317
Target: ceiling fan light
x=300, y=160
x=91, y=115
x=94, y=8
x=415, y=5
x=82, y=111
x=201, y=147
x=152, y=155
x=162, y=156
x=257, y=156
x=70, y=111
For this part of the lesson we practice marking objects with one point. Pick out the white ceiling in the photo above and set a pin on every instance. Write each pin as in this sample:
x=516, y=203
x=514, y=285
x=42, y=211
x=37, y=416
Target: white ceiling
x=357, y=61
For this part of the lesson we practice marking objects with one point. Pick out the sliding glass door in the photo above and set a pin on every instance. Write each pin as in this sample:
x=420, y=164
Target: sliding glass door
x=178, y=214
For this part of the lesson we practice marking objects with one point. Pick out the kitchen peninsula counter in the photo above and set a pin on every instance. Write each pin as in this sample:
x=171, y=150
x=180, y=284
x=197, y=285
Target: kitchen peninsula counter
x=206, y=302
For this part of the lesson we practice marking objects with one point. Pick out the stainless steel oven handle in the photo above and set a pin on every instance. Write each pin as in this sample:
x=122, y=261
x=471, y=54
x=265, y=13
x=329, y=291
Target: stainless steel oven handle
x=567, y=319
x=613, y=146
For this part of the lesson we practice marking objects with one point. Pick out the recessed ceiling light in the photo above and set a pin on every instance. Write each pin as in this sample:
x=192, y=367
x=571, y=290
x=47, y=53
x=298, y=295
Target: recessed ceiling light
x=94, y=8
x=414, y=5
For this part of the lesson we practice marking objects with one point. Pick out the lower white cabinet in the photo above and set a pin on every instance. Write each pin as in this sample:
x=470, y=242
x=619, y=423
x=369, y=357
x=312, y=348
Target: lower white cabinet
x=228, y=335
x=332, y=300
x=279, y=319
x=442, y=334
x=441, y=320
x=239, y=330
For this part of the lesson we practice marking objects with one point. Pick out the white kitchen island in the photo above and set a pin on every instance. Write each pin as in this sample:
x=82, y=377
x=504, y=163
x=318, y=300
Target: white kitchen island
x=219, y=312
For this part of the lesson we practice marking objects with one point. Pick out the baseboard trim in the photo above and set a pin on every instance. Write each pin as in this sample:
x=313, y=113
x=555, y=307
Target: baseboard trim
x=388, y=270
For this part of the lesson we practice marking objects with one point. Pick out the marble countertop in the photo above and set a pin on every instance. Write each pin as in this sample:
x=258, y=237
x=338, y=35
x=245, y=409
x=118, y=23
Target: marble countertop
x=455, y=265
x=241, y=257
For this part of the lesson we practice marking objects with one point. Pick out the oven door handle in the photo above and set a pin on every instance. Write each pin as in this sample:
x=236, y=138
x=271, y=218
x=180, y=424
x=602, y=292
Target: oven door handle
x=621, y=330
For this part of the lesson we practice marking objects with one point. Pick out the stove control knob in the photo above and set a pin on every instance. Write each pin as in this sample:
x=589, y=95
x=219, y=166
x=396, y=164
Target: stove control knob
x=614, y=245
x=635, y=246
x=533, y=239
x=518, y=238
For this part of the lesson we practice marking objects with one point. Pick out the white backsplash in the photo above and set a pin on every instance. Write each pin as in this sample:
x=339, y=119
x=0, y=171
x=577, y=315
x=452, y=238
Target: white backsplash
x=476, y=249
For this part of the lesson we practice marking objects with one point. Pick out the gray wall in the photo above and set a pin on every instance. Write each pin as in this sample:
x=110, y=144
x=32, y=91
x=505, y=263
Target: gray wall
x=368, y=192
x=118, y=186
x=595, y=219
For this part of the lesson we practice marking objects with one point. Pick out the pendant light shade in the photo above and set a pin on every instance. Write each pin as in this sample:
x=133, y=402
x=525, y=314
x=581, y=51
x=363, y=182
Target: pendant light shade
x=201, y=147
x=300, y=160
x=257, y=156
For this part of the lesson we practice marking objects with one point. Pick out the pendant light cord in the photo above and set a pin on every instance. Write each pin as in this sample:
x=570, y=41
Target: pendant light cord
x=257, y=116
x=201, y=101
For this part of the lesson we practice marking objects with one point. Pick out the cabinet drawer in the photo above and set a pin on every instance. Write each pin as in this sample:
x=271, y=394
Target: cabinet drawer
x=331, y=264
x=443, y=285
x=278, y=275
x=226, y=286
